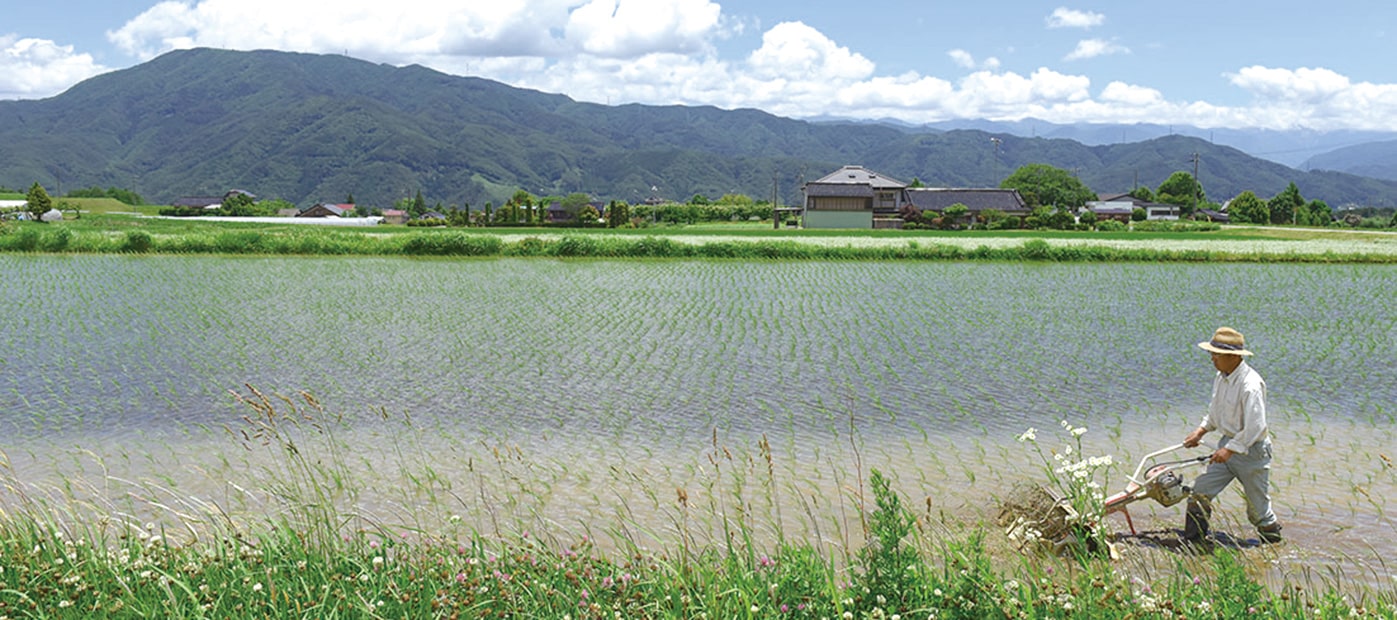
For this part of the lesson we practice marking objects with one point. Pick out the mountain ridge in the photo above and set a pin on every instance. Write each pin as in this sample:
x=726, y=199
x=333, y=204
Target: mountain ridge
x=310, y=128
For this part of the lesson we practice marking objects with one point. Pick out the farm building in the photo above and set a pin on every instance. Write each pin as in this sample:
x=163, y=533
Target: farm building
x=856, y=197
x=977, y=200
x=1153, y=210
x=852, y=197
x=327, y=210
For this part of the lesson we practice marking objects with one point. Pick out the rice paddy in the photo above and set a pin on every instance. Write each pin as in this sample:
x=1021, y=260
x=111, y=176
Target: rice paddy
x=652, y=404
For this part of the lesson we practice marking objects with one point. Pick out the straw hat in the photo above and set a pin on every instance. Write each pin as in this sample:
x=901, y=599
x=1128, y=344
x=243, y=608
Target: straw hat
x=1226, y=341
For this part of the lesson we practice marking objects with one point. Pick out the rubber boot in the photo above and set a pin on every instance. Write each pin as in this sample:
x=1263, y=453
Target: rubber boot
x=1270, y=534
x=1196, y=521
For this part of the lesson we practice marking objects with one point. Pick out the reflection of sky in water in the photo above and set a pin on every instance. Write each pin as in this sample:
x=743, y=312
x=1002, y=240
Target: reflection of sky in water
x=592, y=366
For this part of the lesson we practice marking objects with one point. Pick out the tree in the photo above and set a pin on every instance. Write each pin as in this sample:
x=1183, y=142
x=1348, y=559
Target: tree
x=1088, y=217
x=1181, y=189
x=916, y=182
x=1044, y=216
x=1138, y=214
x=741, y=200
x=1142, y=193
x=573, y=203
x=997, y=220
x=349, y=198
x=1318, y=213
x=37, y=202
x=698, y=199
x=618, y=214
x=588, y=215
x=954, y=214
x=1285, y=206
x=1248, y=208
x=419, y=204
x=1049, y=186
x=237, y=204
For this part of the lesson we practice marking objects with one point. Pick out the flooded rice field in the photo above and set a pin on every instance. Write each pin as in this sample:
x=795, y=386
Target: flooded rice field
x=648, y=402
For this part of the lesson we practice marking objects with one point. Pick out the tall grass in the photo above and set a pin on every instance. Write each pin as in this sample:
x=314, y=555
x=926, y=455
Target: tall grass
x=314, y=550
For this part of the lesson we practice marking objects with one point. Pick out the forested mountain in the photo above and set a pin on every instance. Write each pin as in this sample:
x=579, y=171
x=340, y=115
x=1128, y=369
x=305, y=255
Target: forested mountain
x=310, y=128
x=1374, y=159
x=1291, y=147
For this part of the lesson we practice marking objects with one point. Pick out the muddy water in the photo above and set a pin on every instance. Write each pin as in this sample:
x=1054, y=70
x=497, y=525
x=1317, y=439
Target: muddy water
x=586, y=398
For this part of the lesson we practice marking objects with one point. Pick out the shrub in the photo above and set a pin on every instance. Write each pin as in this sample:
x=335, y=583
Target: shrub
x=891, y=580
x=138, y=241
x=1036, y=249
x=239, y=242
x=1176, y=226
x=453, y=244
x=1110, y=226
x=576, y=246
x=26, y=240
x=57, y=241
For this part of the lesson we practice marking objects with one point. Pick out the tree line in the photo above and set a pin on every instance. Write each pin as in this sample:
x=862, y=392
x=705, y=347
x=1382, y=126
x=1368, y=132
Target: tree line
x=1042, y=185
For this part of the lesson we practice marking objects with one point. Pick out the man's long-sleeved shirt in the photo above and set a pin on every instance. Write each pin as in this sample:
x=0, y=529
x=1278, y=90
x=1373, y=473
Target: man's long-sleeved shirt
x=1238, y=409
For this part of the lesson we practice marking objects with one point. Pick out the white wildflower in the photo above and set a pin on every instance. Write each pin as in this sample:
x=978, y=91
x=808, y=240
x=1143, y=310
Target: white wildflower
x=1029, y=435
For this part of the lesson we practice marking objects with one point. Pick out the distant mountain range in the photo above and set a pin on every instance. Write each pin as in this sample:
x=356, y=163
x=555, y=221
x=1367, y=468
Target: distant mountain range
x=1297, y=148
x=311, y=128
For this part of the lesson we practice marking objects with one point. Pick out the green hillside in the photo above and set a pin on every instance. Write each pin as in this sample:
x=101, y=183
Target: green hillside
x=310, y=128
x=1375, y=159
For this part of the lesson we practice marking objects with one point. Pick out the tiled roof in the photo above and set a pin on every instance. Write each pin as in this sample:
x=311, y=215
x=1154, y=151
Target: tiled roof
x=938, y=198
x=858, y=175
x=1117, y=207
x=838, y=190
x=197, y=201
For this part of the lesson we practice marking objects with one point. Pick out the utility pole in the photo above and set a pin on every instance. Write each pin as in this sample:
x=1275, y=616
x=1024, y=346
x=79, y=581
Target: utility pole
x=1196, y=184
x=775, y=213
x=996, y=142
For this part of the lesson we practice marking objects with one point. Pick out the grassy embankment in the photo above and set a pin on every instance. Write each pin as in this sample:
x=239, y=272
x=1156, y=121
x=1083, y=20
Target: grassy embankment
x=108, y=229
x=75, y=551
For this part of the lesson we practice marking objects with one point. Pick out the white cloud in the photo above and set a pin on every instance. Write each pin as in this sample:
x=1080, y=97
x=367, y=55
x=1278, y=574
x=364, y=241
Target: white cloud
x=1302, y=85
x=631, y=28
x=1317, y=98
x=962, y=58
x=795, y=50
x=426, y=28
x=1091, y=48
x=1063, y=17
x=33, y=68
x=1131, y=95
x=965, y=60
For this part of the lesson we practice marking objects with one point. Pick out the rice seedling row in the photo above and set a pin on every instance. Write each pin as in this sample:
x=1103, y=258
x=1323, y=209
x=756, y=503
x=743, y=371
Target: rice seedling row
x=561, y=397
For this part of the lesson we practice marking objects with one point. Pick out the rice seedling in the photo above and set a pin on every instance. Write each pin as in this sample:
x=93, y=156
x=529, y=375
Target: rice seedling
x=578, y=398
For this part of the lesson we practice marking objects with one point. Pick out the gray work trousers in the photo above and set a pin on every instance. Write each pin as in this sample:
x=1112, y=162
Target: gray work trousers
x=1253, y=470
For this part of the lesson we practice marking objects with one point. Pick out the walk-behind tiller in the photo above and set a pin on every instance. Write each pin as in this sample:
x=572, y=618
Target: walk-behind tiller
x=1163, y=483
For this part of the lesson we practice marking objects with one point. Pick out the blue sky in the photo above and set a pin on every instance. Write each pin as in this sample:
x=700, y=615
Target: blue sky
x=1275, y=65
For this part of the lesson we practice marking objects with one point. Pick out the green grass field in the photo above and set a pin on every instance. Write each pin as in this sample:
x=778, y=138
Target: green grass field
x=107, y=226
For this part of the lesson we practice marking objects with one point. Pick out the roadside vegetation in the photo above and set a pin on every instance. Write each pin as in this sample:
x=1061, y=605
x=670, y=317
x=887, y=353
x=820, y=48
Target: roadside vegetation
x=75, y=551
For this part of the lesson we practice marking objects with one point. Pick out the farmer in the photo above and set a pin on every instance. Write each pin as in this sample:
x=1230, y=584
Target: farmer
x=1238, y=411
